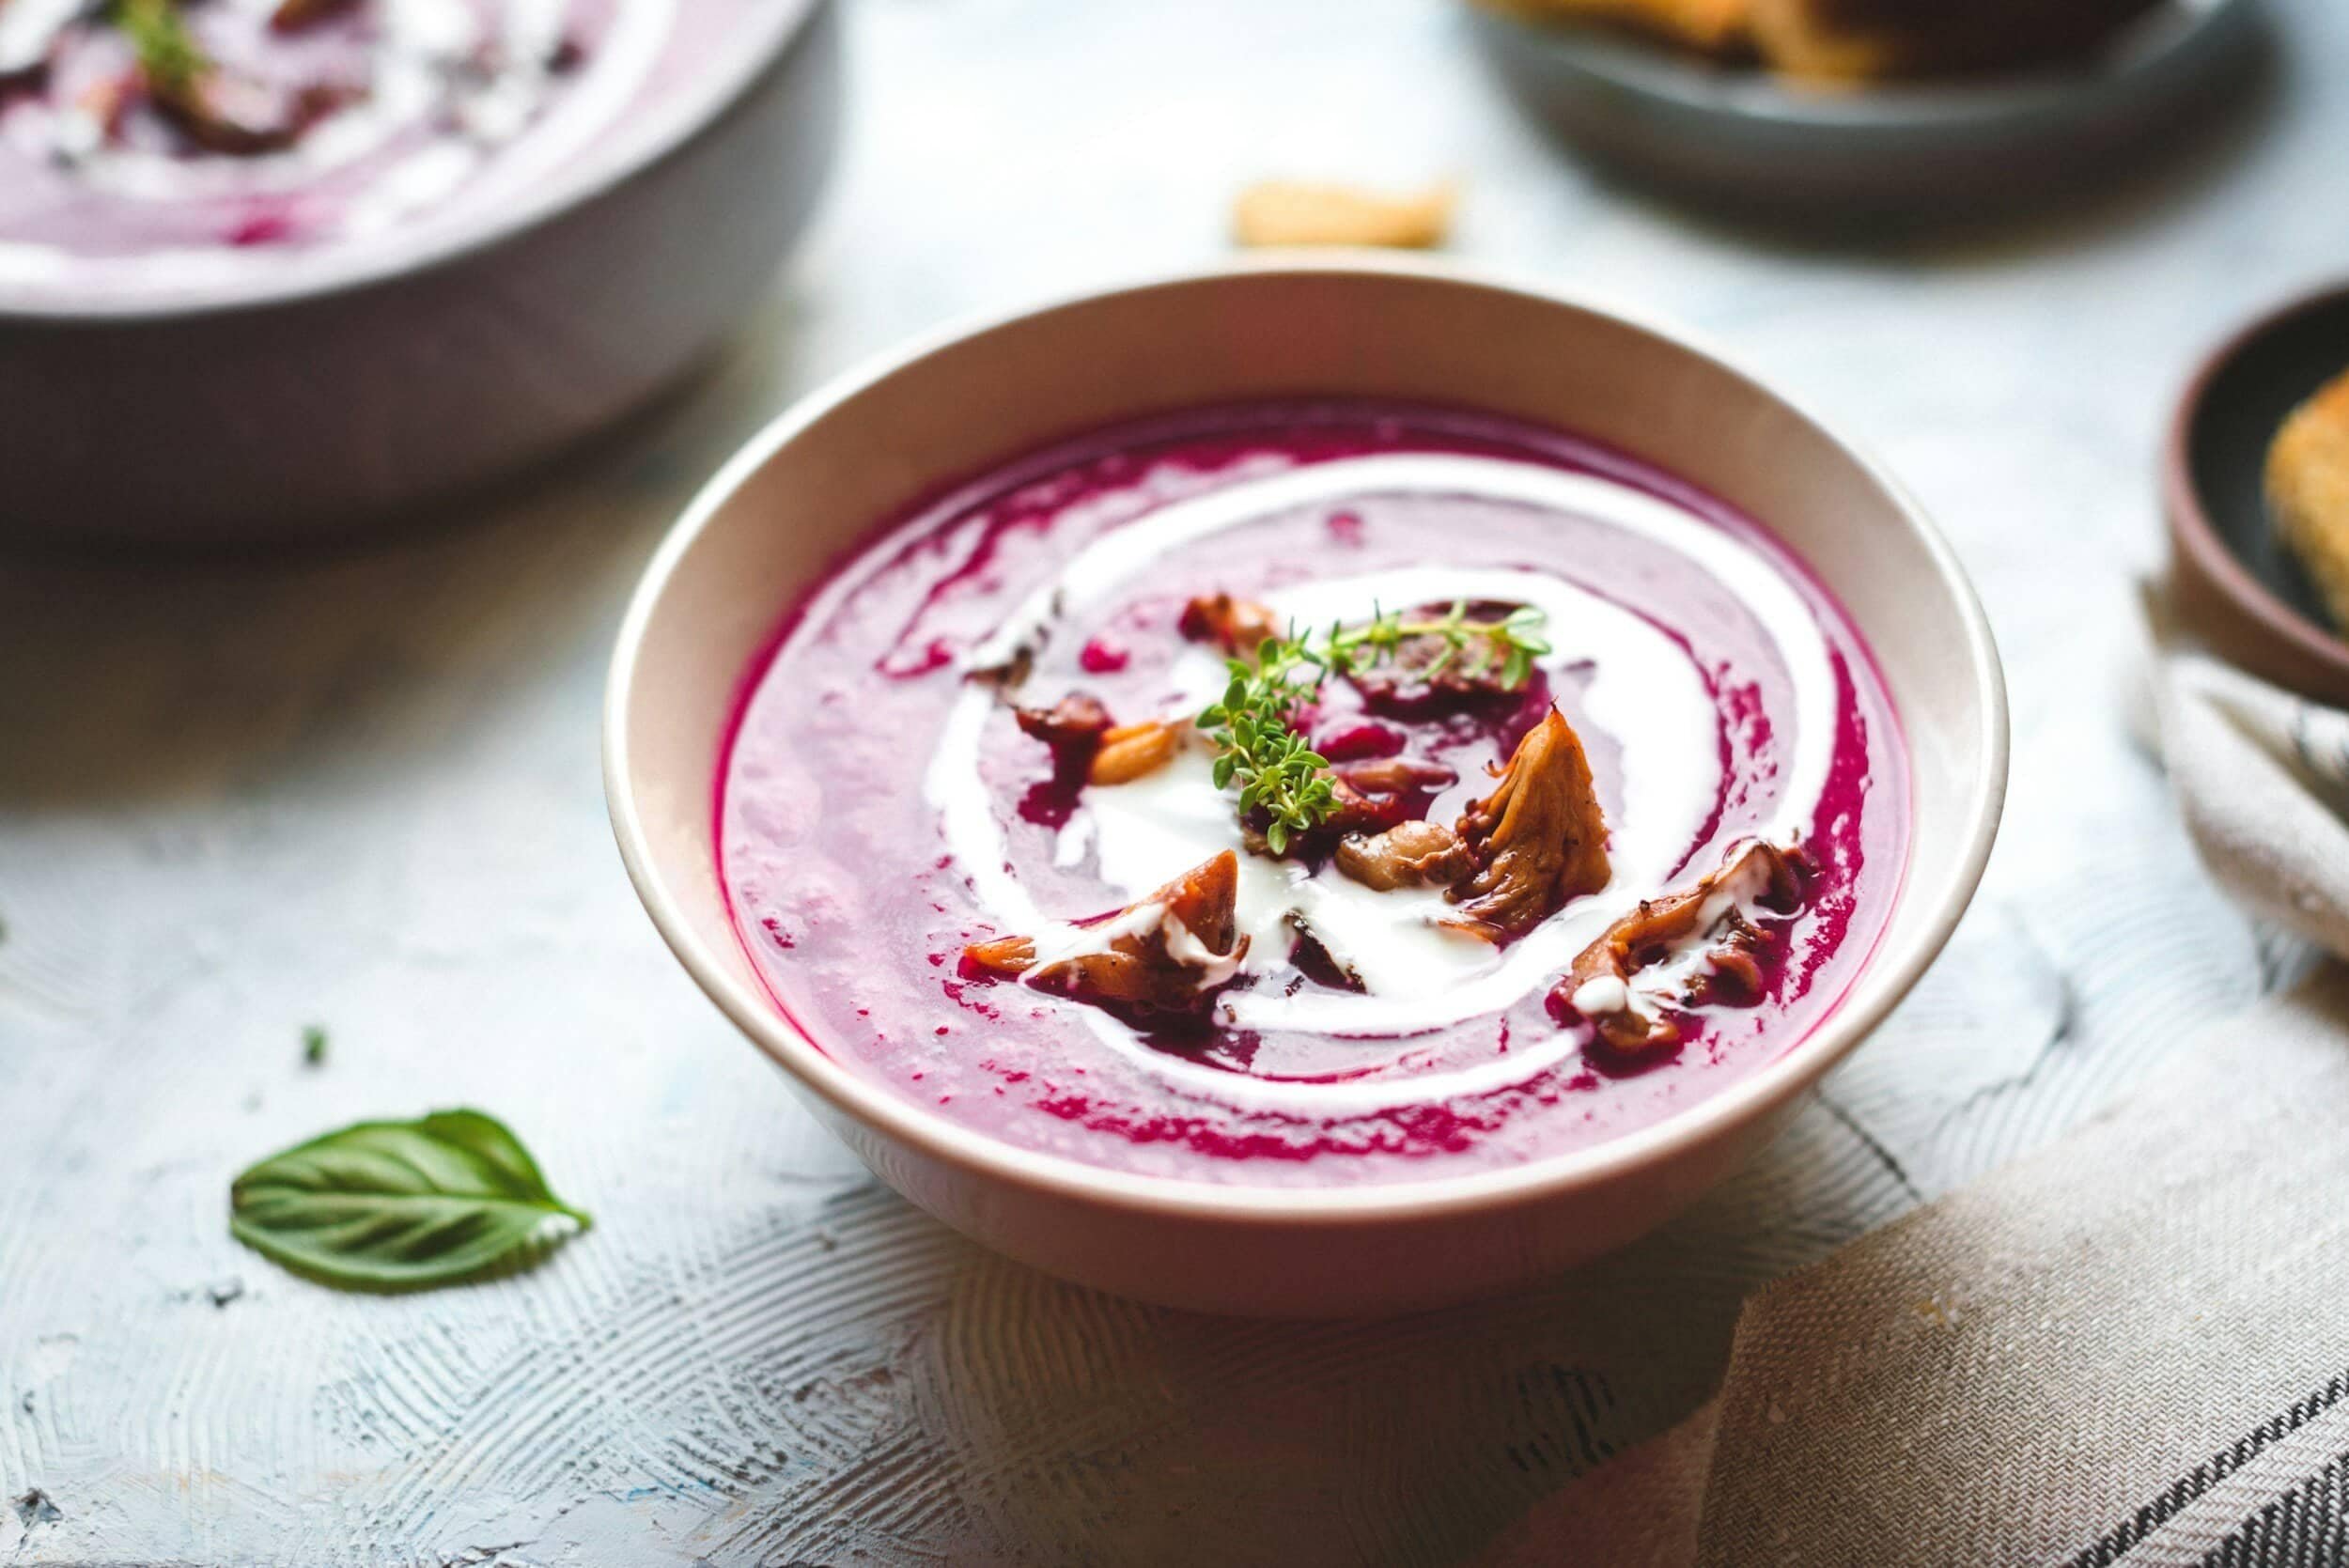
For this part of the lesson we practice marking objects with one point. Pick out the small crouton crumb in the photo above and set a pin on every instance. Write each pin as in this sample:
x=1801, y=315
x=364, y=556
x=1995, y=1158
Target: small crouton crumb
x=1286, y=213
x=2308, y=492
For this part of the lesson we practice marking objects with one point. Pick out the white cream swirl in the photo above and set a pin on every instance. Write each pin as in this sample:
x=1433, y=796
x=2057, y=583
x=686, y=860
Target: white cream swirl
x=1419, y=974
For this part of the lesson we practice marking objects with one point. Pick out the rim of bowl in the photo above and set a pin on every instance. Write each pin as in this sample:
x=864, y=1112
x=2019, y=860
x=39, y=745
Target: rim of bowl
x=1883, y=981
x=2190, y=526
x=346, y=271
x=1752, y=93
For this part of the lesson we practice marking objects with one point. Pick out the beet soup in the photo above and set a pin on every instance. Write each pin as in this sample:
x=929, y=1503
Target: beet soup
x=1313, y=794
x=159, y=149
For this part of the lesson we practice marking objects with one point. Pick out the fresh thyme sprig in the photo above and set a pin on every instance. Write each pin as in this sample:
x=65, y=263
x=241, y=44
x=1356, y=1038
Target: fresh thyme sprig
x=169, y=58
x=1277, y=772
x=1511, y=641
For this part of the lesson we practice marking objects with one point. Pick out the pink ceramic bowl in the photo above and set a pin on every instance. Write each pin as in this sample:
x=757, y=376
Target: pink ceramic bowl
x=861, y=449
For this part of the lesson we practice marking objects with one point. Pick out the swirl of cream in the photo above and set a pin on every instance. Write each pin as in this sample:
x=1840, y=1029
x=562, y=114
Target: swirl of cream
x=1419, y=973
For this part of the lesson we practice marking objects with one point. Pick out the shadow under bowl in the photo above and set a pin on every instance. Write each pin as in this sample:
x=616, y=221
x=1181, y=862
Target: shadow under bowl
x=2233, y=580
x=805, y=491
x=399, y=371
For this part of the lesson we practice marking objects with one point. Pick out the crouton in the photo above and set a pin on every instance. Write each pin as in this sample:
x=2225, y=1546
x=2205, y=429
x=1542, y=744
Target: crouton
x=1284, y=213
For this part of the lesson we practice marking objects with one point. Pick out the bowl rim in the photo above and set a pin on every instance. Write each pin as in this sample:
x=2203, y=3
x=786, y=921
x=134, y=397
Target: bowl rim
x=401, y=257
x=1752, y=95
x=2194, y=533
x=1749, y=1099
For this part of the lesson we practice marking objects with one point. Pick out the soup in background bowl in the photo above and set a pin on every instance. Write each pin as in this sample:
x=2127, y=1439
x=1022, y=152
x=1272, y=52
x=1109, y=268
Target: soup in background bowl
x=160, y=150
x=291, y=267
x=1624, y=746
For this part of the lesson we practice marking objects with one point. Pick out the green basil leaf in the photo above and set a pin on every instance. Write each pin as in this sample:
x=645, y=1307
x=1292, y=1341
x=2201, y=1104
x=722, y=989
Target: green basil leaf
x=402, y=1205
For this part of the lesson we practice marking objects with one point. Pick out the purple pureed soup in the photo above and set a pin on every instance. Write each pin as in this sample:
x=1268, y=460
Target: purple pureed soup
x=167, y=150
x=1313, y=794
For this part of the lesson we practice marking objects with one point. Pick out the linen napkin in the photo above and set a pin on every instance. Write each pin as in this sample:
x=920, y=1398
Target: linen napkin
x=2260, y=777
x=2131, y=1349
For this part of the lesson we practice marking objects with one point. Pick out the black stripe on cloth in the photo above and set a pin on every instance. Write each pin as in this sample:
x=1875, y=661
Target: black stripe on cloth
x=2306, y=1527
x=2209, y=1473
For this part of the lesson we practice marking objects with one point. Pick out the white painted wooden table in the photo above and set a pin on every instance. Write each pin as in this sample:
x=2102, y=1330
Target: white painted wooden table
x=362, y=792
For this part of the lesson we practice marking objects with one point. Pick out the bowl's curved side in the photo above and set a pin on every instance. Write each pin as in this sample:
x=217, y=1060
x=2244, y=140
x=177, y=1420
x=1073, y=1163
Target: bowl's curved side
x=802, y=492
x=1737, y=136
x=2237, y=585
x=1305, y=1265
x=321, y=413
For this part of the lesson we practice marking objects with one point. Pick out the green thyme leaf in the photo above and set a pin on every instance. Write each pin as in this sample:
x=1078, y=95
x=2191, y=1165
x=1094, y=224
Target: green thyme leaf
x=1281, y=777
x=169, y=57
x=402, y=1205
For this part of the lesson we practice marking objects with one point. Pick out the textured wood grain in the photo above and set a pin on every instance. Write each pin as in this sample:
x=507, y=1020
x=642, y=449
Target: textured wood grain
x=361, y=791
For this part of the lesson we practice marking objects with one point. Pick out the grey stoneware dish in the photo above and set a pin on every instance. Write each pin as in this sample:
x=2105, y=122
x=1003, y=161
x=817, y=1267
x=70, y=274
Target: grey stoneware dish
x=1740, y=139
x=860, y=450
x=346, y=394
x=2240, y=587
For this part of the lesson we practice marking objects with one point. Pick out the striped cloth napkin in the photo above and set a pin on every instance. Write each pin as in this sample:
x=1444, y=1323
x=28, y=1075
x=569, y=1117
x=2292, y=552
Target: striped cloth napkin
x=2130, y=1349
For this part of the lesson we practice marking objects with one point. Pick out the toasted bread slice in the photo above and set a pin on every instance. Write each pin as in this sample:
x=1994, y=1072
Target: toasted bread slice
x=1867, y=41
x=1713, y=26
x=2307, y=491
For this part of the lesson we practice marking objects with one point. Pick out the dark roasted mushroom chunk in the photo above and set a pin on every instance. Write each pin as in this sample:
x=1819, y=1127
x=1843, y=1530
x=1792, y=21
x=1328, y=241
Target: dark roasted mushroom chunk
x=1089, y=747
x=1758, y=875
x=1386, y=793
x=1429, y=673
x=241, y=116
x=1409, y=855
x=292, y=16
x=1077, y=729
x=1076, y=723
x=1537, y=840
x=1168, y=952
x=1237, y=626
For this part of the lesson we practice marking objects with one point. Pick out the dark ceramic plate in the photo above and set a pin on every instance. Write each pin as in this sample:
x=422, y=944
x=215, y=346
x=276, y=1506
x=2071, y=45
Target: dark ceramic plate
x=2240, y=586
x=356, y=390
x=1741, y=137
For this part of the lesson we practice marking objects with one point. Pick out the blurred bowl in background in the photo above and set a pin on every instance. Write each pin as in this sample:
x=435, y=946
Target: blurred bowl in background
x=339, y=388
x=2233, y=579
x=1738, y=138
